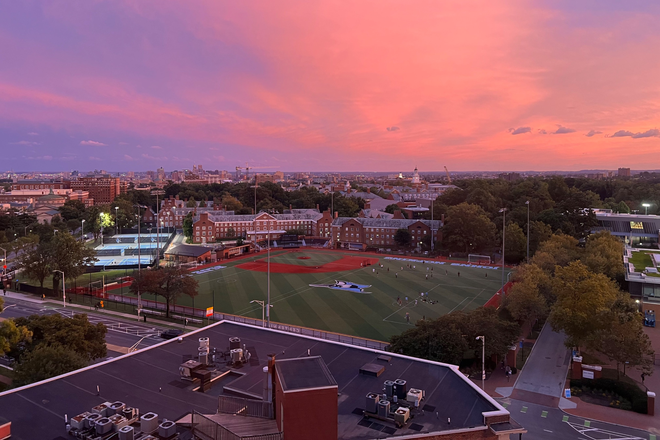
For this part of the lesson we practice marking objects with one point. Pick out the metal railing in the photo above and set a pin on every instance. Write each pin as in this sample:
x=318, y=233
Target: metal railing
x=245, y=407
x=207, y=429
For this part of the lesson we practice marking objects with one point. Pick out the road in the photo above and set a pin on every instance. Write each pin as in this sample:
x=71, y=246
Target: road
x=121, y=334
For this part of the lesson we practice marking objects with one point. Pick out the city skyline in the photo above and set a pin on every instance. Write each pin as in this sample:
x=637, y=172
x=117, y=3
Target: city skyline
x=374, y=86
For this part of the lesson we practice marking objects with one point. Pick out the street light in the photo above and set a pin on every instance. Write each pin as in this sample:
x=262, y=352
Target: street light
x=268, y=280
x=483, y=360
x=503, y=211
x=116, y=223
x=82, y=230
x=646, y=207
x=139, y=262
x=157, y=193
x=527, y=203
x=63, y=288
x=263, y=310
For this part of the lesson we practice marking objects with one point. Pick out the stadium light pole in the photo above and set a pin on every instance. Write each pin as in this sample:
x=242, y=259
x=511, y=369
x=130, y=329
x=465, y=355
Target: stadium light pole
x=503, y=211
x=483, y=360
x=268, y=280
x=646, y=208
x=527, y=203
x=116, y=222
x=63, y=288
x=82, y=230
x=157, y=193
x=139, y=262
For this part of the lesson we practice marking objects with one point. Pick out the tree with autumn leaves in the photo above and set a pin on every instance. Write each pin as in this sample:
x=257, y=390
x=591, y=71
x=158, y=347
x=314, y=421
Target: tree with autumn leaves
x=168, y=283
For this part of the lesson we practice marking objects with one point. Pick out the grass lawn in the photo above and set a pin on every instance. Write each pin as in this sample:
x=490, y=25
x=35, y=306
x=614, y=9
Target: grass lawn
x=82, y=280
x=373, y=314
x=641, y=260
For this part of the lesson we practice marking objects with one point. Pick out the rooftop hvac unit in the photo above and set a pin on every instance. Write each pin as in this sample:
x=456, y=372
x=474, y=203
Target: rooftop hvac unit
x=236, y=355
x=234, y=343
x=388, y=387
x=384, y=408
x=401, y=415
x=149, y=422
x=118, y=421
x=130, y=412
x=415, y=396
x=204, y=343
x=118, y=407
x=103, y=409
x=80, y=421
x=401, y=388
x=372, y=403
x=167, y=429
x=103, y=426
x=92, y=418
x=126, y=433
x=203, y=357
x=186, y=368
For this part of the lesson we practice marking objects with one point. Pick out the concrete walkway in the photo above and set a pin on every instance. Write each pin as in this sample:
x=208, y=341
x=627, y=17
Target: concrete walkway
x=543, y=378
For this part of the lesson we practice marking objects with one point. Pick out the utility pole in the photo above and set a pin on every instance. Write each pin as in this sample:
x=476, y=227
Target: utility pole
x=503, y=211
x=527, y=203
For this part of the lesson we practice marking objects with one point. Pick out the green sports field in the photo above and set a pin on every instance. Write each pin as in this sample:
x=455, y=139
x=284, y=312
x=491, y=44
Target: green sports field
x=373, y=314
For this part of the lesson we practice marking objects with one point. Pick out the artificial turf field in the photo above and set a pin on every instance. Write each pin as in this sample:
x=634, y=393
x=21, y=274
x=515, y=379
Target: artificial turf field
x=373, y=314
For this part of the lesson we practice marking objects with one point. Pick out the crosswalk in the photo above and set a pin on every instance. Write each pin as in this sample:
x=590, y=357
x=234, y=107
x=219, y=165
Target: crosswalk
x=590, y=432
x=113, y=324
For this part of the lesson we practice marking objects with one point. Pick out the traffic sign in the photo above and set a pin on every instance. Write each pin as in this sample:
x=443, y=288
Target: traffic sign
x=209, y=312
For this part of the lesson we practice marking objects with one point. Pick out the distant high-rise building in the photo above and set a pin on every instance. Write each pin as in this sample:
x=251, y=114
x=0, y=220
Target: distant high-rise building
x=161, y=174
x=624, y=172
x=102, y=189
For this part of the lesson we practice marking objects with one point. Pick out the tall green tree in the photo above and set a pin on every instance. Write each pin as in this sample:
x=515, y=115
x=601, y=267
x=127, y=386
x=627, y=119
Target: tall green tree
x=11, y=335
x=437, y=340
x=402, y=237
x=188, y=226
x=69, y=255
x=583, y=301
x=77, y=334
x=468, y=229
x=46, y=361
x=603, y=254
x=516, y=244
x=168, y=282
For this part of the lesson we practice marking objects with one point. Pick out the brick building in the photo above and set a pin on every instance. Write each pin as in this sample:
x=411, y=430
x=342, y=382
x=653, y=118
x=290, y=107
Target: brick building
x=379, y=232
x=102, y=190
x=39, y=184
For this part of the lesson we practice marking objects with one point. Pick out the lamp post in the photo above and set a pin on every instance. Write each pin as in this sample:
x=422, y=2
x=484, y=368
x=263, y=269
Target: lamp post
x=139, y=310
x=432, y=230
x=503, y=211
x=116, y=222
x=268, y=279
x=483, y=360
x=63, y=288
x=527, y=203
x=82, y=230
x=646, y=208
x=157, y=193
x=263, y=310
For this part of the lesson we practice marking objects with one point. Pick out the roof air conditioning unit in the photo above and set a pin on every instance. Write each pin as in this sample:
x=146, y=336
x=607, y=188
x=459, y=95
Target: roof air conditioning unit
x=401, y=415
x=384, y=408
x=126, y=433
x=130, y=412
x=203, y=356
x=389, y=387
x=236, y=355
x=80, y=421
x=167, y=429
x=234, y=343
x=103, y=409
x=118, y=407
x=372, y=403
x=118, y=421
x=401, y=388
x=204, y=343
x=103, y=426
x=92, y=418
x=149, y=422
x=415, y=396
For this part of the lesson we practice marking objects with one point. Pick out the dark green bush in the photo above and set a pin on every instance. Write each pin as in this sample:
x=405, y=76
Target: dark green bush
x=630, y=392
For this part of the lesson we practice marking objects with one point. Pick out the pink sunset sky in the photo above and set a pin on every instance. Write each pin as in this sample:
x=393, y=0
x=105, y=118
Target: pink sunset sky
x=330, y=85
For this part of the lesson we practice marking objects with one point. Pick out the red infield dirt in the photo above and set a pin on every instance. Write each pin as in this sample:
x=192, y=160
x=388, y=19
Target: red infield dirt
x=303, y=258
x=346, y=263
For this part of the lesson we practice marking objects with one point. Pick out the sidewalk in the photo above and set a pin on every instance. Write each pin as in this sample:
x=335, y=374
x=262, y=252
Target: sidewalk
x=84, y=309
x=496, y=385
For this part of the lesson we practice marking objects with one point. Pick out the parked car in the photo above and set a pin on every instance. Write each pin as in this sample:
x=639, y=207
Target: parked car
x=171, y=333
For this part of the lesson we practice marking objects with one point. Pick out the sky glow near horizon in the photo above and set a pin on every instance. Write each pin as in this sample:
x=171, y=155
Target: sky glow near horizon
x=329, y=85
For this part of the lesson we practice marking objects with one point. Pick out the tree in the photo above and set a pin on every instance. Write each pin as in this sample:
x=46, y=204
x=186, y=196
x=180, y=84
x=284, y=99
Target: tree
x=46, y=361
x=402, y=237
x=559, y=250
x=539, y=232
x=11, y=335
x=622, y=337
x=168, y=282
x=191, y=203
x=188, y=226
x=525, y=301
x=584, y=298
x=76, y=334
x=231, y=232
x=231, y=203
x=602, y=254
x=72, y=210
x=468, y=228
x=437, y=340
x=516, y=244
x=69, y=255
x=391, y=208
x=36, y=262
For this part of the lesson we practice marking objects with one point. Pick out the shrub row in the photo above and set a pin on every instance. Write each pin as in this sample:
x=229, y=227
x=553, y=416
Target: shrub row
x=628, y=391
